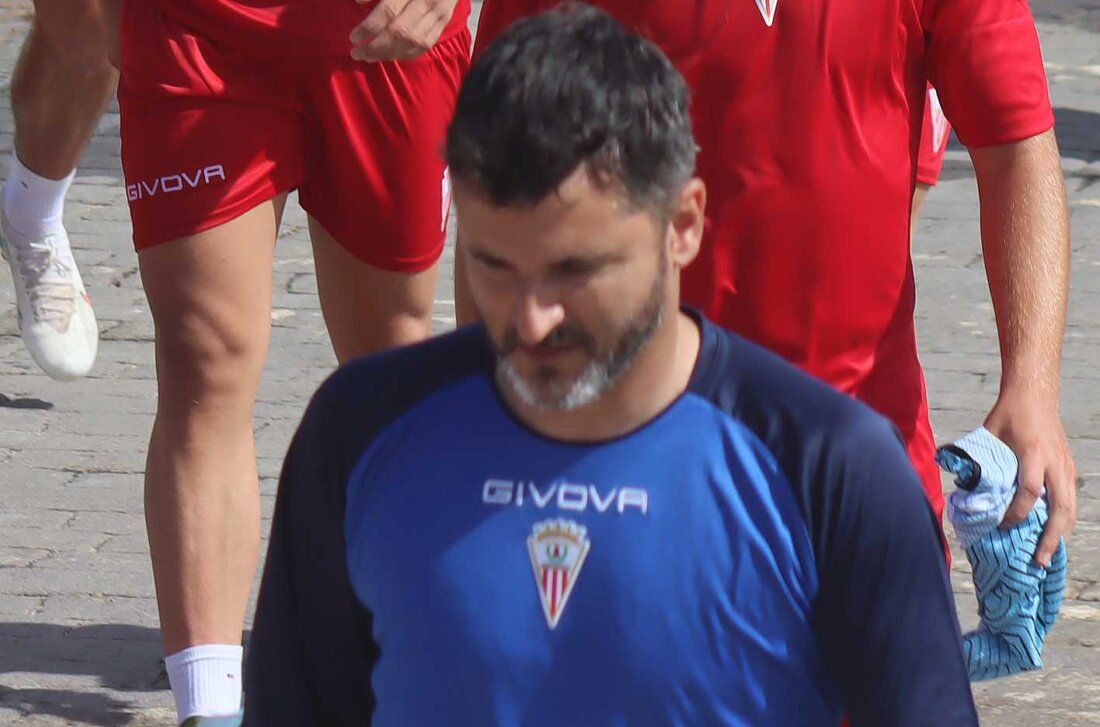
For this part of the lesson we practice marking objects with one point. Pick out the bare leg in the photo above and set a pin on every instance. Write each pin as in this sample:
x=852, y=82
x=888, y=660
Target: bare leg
x=62, y=83
x=210, y=295
x=368, y=309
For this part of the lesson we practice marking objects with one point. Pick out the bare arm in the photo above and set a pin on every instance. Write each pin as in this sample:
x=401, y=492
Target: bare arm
x=1025, y=238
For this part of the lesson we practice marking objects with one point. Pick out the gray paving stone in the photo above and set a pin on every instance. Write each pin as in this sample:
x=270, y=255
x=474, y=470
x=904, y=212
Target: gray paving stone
x=85, y=609
x=59, y=539
x=46, y=582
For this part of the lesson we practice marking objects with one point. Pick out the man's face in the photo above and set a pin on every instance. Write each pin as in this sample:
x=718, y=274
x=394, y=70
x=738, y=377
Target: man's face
x=570, y=290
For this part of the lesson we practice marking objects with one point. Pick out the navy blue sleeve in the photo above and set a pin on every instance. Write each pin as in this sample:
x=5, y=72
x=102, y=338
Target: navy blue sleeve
x=311, y=652
x=885, y=614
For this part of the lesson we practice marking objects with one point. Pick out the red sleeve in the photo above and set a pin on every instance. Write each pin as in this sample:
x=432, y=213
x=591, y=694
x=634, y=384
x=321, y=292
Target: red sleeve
x=985, y=62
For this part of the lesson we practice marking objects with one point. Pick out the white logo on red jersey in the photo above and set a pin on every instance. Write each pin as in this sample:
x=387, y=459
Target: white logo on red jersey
x=767, y=9
x=557, y=549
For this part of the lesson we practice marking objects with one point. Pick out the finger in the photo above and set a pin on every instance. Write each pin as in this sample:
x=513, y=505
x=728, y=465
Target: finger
x=1062, y=497
x=1052, y=537
x=391, y=45
x=398, y=38
x=433, y=29
x=1029, y=488
x=377, y=21
x=437, y=30
x=1054, y=587
x=408, y=36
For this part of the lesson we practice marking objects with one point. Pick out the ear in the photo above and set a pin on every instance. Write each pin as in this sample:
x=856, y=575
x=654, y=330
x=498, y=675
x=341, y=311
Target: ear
x=686, y=223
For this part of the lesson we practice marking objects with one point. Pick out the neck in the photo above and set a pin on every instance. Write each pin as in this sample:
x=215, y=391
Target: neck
x=658, y=375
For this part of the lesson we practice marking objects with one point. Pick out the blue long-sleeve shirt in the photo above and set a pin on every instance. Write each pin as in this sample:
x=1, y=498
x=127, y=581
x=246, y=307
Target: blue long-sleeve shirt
x=760, y=553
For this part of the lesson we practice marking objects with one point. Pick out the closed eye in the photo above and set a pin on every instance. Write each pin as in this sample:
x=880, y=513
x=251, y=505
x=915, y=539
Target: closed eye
x=492, y=262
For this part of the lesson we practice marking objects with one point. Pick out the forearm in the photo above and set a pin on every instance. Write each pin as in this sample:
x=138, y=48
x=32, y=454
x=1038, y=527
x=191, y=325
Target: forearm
x=1025, y=239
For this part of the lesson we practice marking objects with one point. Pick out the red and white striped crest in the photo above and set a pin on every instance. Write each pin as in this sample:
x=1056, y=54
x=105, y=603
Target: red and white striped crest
x=558, y=549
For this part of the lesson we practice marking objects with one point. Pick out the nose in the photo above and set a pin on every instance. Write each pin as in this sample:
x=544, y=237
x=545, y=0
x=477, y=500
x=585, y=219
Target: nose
x=536, y=316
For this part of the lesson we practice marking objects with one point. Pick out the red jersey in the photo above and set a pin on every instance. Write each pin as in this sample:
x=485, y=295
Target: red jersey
x=283, y=27
x=808, y=114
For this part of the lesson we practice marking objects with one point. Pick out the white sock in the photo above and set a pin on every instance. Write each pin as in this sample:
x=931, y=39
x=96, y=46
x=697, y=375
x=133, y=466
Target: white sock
x=33, y=204
x=206, y=680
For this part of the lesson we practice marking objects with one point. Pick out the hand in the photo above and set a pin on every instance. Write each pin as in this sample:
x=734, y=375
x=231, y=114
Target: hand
x=1030, y=424
x=399, y=30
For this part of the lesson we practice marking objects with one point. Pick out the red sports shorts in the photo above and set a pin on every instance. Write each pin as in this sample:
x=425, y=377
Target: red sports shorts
x=211, y=131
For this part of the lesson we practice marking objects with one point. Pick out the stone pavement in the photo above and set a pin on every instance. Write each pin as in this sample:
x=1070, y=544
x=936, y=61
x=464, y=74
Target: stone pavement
x=78, y=639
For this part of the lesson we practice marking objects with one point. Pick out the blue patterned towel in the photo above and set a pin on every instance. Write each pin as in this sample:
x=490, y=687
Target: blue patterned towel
x=1018, y=600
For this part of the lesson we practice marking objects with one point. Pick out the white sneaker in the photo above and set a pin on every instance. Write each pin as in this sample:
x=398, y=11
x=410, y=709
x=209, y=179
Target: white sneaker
x=55, y=312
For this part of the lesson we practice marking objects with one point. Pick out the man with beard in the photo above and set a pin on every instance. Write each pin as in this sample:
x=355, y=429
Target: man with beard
x=808, y=115
x=595, y=507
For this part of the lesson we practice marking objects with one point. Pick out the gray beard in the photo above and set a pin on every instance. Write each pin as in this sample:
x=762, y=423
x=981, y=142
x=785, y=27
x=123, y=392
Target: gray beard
x=585, y=389
x=601, y=373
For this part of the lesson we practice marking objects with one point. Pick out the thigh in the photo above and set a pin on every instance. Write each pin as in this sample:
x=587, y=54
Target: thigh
x=368, y=308
x=208, y=132
x=71, y=22
x=210, y=296
x=375, y=177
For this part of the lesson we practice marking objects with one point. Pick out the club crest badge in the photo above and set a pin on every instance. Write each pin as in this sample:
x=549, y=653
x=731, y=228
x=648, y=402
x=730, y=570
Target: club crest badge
x=767, y=9
x=558, y=549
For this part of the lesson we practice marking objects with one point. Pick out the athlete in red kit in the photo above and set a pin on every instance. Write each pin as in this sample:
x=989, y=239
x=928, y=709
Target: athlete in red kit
x=808, y=116
x=227, y=105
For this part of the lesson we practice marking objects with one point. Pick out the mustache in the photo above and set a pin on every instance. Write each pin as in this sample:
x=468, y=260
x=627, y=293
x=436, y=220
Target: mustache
x=563, y=335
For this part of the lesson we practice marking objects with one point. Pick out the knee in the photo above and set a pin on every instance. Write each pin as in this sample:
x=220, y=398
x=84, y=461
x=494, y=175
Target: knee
x=408, y=319
x=370, y=335
x=202, y=364
x=411, y=325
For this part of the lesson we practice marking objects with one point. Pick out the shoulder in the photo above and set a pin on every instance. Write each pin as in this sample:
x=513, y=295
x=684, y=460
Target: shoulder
x=837, y=454
x=792, y=412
